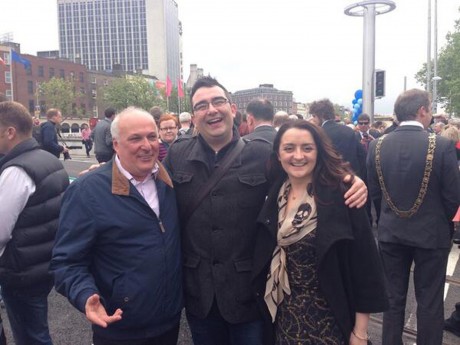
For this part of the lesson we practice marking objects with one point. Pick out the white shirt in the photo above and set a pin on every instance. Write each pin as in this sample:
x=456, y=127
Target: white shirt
x=147, y=188
x=16, y=187
x=411, y=123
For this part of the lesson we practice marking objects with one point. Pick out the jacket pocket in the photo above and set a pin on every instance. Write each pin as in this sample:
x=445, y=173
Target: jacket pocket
x=191, y=275
x=253, y=191
x=181, y=177
x=243, y=270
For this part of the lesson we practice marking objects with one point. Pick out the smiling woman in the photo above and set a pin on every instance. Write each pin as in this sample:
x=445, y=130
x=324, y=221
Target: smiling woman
x=308, y=259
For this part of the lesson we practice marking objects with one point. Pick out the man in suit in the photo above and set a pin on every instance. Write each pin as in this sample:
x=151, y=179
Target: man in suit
x=343, y=137
x=260, y=115
x=416, y=176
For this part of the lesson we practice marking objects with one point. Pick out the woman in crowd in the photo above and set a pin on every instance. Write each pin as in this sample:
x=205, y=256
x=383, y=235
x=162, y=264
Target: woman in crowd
x=168, y=127
x=86, y=138
x=316, y=268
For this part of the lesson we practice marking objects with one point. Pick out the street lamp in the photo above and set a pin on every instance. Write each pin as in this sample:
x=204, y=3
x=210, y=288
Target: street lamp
x=368, y=10
x=435, y=80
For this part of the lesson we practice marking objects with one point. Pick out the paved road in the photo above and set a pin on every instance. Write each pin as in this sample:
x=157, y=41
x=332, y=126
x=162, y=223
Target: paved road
x=69, y=327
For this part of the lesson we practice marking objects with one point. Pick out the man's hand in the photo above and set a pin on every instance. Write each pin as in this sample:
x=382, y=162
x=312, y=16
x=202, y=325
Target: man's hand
x=91, y=168
x=356, y=196
x=96, y=313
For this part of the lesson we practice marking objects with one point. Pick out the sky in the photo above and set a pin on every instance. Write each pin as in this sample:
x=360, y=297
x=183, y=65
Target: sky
x=308, y=47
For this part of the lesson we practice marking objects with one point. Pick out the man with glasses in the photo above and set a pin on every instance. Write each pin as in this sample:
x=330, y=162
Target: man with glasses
x=218, y=236
x=169, y=128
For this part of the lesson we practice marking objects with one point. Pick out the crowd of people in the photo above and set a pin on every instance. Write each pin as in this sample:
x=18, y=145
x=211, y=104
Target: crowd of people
x=259, y=225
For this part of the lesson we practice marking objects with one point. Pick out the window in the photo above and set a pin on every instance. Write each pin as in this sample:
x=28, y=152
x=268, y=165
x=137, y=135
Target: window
x=31, y=106
x=82, y=77
x=93, y=80
x=8, y=77
x=41, y=71
x=62, y=73
x=51, y=72
x=30, y=86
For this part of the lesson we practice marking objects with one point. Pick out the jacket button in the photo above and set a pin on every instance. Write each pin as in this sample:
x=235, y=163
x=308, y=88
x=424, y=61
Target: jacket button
x=126, y=299
x=267, y=221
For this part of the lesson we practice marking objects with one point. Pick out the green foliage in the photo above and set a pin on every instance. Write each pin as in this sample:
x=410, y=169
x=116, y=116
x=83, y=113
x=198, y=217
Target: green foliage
x=61, y=94
x=449, y=71
x=133, y=91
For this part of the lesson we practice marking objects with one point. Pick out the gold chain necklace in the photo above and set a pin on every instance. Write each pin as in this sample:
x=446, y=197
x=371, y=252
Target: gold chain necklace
x=426, y=178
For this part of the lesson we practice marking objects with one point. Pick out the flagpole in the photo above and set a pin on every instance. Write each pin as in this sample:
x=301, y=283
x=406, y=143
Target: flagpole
x=11, y=72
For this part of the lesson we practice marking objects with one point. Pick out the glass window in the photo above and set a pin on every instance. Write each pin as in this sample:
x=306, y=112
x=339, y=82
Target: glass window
x=41, y=71
x=8, y=77
x=30, y=86
x=51, y=72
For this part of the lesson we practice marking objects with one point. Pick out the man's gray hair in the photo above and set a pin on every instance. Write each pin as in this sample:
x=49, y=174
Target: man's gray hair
x=185, y=117
x=130, y=111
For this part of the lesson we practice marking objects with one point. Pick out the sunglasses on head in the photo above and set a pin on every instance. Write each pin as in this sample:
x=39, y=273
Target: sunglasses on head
x=363, y=123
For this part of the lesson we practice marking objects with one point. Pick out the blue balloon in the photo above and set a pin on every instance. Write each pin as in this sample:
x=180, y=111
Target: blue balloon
x=354, y=101
x=359, y=94
x=360, y=101
x=357, y=106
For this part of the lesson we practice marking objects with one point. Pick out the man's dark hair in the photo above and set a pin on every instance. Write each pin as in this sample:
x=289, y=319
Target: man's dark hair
x=323, y=109
x=14, y=114
x=409, y=103
x=109, y=112
x=261, y=109
x=377, y=124
x=207, y=82
x=364, y=117
x=156, y=112
x=52, y=112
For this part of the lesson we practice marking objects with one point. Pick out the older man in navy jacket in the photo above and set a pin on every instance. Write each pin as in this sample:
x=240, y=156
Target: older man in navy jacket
x=117, y=253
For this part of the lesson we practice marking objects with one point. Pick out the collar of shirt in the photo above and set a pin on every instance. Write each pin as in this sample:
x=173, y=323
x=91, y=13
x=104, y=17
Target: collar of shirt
x=322, y=125
x=411, y=123
x=147, y=188
x=214, y=157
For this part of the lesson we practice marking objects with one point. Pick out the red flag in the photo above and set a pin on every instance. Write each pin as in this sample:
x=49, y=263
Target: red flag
x=180, y=90
x=168, y=87
x=2, y=62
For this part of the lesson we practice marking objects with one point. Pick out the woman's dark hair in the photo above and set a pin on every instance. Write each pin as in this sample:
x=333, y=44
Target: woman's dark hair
x=330, y=169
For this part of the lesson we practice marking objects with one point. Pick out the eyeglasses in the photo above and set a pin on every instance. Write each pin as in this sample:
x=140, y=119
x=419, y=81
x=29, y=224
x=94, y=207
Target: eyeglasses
x=168, y=129
x=204, y=105
x=363, y=123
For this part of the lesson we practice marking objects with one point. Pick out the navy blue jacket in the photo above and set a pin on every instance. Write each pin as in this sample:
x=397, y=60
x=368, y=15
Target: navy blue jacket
x=50, y=139
x=110, y=242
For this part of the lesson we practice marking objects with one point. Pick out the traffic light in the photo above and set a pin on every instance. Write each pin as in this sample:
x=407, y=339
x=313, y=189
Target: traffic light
x=379, y=84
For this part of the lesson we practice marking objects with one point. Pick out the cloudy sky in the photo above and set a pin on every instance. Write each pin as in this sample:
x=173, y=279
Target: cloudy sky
x=309, y=47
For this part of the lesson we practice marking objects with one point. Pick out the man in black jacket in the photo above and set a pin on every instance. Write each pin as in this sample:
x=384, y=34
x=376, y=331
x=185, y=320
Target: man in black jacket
x=415, y=174
x=29, y=220
x=260, y=115
x=342, y=137
x=49, y=134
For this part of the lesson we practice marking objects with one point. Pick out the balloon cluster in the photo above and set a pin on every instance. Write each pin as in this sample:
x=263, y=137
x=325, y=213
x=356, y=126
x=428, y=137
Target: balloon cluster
x=357, y=105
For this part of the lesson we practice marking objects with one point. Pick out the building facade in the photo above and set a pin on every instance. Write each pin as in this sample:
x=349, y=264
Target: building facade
x=20, y=80
x=281, y=100
x=141, y=36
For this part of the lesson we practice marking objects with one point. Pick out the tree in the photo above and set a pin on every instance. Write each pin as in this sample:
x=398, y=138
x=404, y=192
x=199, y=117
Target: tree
x=449, y=71
x=133, y=91
x=61, y=94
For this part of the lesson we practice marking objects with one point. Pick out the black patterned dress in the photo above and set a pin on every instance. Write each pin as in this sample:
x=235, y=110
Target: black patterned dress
x=304, y=317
